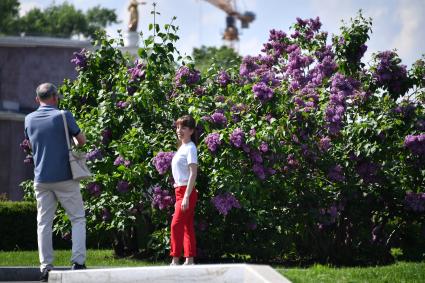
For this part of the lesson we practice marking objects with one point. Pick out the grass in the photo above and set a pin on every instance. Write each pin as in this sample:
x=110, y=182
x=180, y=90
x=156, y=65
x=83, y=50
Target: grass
x=62, y=258
x=408, y=272
x=412, y=272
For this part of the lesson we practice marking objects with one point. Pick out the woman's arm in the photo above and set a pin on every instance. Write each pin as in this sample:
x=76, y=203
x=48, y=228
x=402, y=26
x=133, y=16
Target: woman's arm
x=193, y=171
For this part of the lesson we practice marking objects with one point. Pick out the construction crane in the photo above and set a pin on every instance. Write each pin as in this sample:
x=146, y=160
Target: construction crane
x=231, y=33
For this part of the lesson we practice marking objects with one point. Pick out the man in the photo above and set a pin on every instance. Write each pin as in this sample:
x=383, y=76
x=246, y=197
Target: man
x=53, y=182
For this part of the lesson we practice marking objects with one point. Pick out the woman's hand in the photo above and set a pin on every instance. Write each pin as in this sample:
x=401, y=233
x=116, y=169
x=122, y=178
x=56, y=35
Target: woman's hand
x=185, y=203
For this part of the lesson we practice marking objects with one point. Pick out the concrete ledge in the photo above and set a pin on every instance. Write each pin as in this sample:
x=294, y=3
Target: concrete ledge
x=214, y=273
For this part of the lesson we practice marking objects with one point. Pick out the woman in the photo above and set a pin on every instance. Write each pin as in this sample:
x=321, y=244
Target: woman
x=184, y=167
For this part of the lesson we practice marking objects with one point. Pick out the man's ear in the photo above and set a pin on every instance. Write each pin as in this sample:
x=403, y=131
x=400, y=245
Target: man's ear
x=37, y=99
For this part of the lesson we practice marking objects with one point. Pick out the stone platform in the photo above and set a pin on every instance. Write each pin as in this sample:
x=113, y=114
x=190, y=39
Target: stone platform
x=214, y=273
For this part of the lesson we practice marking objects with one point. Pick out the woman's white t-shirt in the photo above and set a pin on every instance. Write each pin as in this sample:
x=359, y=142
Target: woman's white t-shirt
x=185, y=155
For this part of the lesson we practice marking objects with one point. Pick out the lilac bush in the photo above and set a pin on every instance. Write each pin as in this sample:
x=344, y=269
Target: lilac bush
x=304, y=148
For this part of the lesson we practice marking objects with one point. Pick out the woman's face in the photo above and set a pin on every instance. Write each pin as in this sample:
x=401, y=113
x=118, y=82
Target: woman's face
x=184, y=133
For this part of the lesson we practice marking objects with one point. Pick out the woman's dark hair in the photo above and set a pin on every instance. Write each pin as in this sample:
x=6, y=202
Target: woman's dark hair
x=188, y=121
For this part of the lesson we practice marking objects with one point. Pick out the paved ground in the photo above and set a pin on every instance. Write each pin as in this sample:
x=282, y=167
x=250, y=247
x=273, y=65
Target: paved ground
x=21, y=273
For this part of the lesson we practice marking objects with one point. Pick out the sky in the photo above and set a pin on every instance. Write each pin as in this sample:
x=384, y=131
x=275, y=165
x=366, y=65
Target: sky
x=397, y=24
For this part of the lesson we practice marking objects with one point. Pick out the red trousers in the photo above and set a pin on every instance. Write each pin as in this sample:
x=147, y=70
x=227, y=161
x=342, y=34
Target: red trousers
x=182, y=230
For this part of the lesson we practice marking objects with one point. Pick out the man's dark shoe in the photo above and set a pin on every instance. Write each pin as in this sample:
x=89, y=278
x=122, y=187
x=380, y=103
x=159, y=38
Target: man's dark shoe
x=76, y=266
x=44, y=277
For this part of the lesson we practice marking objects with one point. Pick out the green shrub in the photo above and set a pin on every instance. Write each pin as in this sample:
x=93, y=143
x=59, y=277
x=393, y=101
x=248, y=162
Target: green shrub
x=18, y=226
x=18, y=229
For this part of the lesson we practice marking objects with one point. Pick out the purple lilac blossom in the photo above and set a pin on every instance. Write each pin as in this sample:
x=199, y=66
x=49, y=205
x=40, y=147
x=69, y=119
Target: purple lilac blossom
x=186, y=76
x=269, y=118
x=264, y=147
x=200, y=91
x=331, y=214
x=225, y=202
x=297, y=62
x=361, y=51
x=259, y=171
x=94, y=189
x=237, y=138
x=106, y=214
x=246, y=148
x=219, y=119
x=389, y=73
x=252, y=132
x=236, y=118
x=315, y=24
x=121, y=104
x=368, y=171
x=276, y=43
x=123, y=186
x=162, y=161
x=336, y=173
x=325, y=144
x=262, y=92
x=341, y=89
x=268, y=77
x=301, y=22
x=137, y=72
x=106, y=136
x=162, y=198
x=416, y=144
x=223, y=78
x=213, y=141
x=121, y=161
x=248, y=66
x=256, y=156
x=80, y=59
x=25, y=145
x=420, y=125
x=207, y=118
x=415, y=201
x=407, y=110
x=270, y=171
x=238, y=108
x=292, y=161
x=94, y=154
x=220, y=98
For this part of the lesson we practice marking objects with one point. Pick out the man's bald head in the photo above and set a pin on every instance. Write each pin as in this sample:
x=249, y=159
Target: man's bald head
x=46, y=91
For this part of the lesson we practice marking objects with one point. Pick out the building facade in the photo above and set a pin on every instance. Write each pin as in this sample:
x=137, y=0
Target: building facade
x=26, y=62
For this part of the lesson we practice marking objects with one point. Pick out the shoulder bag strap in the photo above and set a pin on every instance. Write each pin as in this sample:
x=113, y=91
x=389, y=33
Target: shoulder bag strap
x=65, y=124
